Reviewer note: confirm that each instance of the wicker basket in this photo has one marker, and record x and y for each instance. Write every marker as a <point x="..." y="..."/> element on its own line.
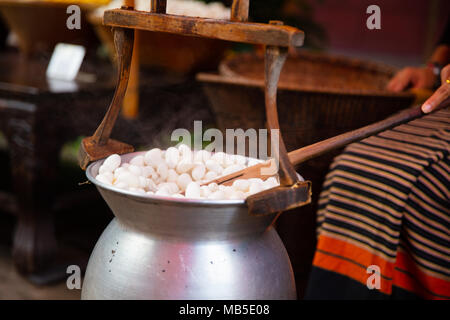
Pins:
<point x="319" y="95"/>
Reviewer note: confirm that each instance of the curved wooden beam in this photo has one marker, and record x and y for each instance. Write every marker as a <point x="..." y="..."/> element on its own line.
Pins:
<point x="246" y="32"/>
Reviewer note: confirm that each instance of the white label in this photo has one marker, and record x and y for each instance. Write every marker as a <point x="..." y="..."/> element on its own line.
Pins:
<point x="61" y="86"/>
<point x="65" y="62"/>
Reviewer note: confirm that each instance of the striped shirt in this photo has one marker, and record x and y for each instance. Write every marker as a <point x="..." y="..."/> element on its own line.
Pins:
<point x="386" y="203"/>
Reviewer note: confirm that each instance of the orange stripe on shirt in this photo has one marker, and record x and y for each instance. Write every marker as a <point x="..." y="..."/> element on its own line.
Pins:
<point x="415" y="280"/>
<point x="334" y="255"/>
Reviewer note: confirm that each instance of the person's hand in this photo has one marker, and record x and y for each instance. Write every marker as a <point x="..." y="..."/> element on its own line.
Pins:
<point x="442" y="93"/>
<point x="418" y="78"/>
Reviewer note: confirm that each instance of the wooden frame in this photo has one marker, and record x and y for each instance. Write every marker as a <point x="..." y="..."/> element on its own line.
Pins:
<point x="276" y="37"/>
<point x="246" y="32"/>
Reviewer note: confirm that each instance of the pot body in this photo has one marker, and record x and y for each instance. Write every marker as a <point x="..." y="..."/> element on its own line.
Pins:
<point x="129" y="265"/>
<point x="157" y="248"/>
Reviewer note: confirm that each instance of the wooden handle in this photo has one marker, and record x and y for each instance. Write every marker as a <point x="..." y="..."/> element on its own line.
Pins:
<point x="306" y="153"/>
<point x="239" y="10"/>
<point x="279" y="199"/>
<point x="291" y="193"/>
<point x="123" y="40"/>
<point x="274" y="60"/>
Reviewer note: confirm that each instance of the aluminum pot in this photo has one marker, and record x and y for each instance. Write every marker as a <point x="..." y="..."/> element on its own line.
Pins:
<point x="165" y="248"/>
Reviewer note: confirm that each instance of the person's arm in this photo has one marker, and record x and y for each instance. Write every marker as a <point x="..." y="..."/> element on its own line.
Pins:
<point x="422" y="77"/>
<point x="425" y="77"/>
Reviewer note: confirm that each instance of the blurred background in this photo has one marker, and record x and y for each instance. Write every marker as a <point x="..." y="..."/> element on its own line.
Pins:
<point x="50" y="218"/>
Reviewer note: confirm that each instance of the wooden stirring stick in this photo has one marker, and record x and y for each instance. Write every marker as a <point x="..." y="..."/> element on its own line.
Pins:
<point x="312" y="151"/>
<point x="100" y="146"/>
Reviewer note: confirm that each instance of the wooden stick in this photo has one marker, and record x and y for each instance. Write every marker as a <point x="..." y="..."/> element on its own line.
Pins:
<point x="254" y="33"/>
<point x="123" y="39"/>
<point x="274" y="61"/>
<point x="317" y="149"/>
<point x="99" y="145"/>
<point x="291" y="193"/>
<point x="239" y="10"/>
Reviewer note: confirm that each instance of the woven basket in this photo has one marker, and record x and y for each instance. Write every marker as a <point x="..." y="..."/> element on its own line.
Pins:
<point x="319" y="95"/>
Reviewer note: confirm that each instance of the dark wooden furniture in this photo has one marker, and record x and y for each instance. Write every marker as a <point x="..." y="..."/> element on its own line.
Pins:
<point x="37" y="117"/>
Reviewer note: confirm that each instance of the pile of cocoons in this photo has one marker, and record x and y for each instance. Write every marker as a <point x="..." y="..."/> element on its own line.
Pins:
<point x="190" y="8"/>
<point x="182" y="173"/>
